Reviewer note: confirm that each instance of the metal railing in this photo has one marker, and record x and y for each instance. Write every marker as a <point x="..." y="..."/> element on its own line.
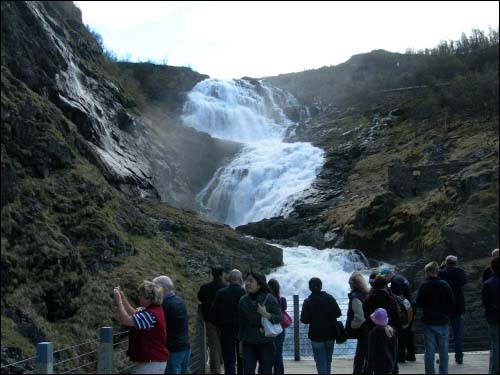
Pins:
<point x="297" y="344"/>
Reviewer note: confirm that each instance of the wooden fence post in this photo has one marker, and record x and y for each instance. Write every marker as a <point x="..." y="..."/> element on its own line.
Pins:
<point x="44" y="358"/>
<point x="105" y="353"/>
<point x="296" y="327"/>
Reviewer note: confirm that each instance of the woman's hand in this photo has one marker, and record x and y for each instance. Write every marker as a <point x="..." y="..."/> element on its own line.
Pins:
<point x="117" y="294"/>
<point x="262" y="311"/>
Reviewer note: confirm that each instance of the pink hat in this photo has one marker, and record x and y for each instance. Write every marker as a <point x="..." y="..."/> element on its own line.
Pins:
<point x="379" y="317"/>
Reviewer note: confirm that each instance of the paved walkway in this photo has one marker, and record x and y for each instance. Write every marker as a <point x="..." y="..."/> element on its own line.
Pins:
<point x="474" y="363"/>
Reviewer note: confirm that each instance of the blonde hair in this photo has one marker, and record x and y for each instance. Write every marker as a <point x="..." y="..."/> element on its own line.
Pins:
<point x="151" y="292"/>
<point x="432" y="268"/>
<point x="358" y="282"/>
<point x="389" y="331"/>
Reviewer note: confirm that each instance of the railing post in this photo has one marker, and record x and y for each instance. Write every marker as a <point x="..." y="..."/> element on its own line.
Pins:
<point x="105" y="354"/>
<point x="296" y="327"/>
<point x="203" y="341"/>
<point x="44" y="358"/>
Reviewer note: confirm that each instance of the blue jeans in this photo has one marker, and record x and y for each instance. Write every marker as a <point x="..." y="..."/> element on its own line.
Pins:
<point x="436" y="336"/>
<point x="323" y="352"/>
<point x="457" y="326"/>
<point x="178" y="362"/>
<point x="278" y="367"/>
<point x="494" y="348"/>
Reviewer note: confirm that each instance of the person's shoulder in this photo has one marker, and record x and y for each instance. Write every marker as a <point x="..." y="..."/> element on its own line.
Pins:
<point x="493" y="280"/>
<point x="205" y="285"/>
<point x="222" y="290"/>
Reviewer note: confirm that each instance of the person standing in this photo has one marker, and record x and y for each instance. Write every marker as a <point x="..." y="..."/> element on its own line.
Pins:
<point x="147" y="341"/>
<point x="489" y="296"/>
<point x="436" y="299"/>
<point x="380" y="297"/>
<point x="258" y="303"/>
<point x="406" y="340"/>
<point x="456" y="279"/>
<point x="278" y="367"/>
<point x="320" y="310"/>
<point x="177" y="325"/>
<point x="206" y="296"/>
<point x="355" y="325"/>
<point x="224" y="314"/>
<point x="487" y="271"/>
<point x="405" y="311"/>
<point x="382" y="344"/>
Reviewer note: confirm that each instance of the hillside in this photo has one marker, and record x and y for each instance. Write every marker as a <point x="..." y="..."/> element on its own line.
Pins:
<point x="411" y="175"/>
<point x="86" y="155"/>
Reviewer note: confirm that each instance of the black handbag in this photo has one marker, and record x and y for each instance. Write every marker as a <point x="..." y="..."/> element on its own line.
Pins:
<point x="341" y="333"/>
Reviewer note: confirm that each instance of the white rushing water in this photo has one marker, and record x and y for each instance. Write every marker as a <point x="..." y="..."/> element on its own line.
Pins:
<point x="268" y="175"/>
<point x="332" y="266"/>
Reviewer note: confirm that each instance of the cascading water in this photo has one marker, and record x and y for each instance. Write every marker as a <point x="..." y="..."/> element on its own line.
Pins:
<point x="266" y="177"/>
<point x="268" y="174"/>
<point x="332" y="266"/>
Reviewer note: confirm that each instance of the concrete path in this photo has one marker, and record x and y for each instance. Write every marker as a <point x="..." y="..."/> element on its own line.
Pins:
<point x="474" y="363"/>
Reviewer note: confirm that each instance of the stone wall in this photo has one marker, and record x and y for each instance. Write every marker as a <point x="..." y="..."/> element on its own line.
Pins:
<point x="409" y="181"/>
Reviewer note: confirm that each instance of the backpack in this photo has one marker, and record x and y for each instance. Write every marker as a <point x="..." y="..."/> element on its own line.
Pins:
<point x="405" y="311"/>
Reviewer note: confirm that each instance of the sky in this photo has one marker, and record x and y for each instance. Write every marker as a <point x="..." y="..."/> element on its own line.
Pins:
<point x="258" y="39"/>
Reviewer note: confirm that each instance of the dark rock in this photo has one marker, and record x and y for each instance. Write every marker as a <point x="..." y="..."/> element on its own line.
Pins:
<point x="125" y="122"/>
<point x="9" y="184"/>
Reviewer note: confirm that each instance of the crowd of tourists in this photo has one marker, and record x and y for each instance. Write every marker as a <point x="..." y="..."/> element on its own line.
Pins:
<point x="246" y="321"/>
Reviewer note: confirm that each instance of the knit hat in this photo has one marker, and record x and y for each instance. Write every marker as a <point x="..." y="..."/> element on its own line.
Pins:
<point x="379" y="317"/>
<point x="386" y="270"/>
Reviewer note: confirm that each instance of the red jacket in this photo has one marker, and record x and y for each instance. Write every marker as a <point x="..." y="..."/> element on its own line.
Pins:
<point x="149" y="345"/>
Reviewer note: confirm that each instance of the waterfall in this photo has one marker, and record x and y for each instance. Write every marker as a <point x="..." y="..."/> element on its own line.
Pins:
<point x="266" y="178"/>
<point x="269" y="174"/>
<point x="332" y="266"/>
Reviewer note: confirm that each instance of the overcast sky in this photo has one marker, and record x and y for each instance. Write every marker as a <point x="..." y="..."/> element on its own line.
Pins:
<point x="231" y="40"/>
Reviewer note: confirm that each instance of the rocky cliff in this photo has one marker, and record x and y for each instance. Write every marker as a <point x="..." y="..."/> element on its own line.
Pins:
<point x="89" y="150"/>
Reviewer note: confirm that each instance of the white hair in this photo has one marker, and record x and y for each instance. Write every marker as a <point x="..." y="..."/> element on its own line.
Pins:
<point x="235" y="277"/>
<point x="165" y="282"/>
<point x="494" y="253"/>
<point x="451" y="260"/>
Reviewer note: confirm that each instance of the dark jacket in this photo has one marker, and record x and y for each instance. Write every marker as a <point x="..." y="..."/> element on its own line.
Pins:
<point x="224" y="311"/>
<point x="206" y="296"/>
<point x="320" y="311"/>
<point x="401" y="283"/>
<point x="487" y="273"/>
<point x="456" y="279"/>
<point x="382" y="351"/>
<point x="283" y="303"/>
<point x="436" y="298"/>
<point x="176" y="319"/>
<point x="249" y="320"/>
<point x="381" y="298"/>
<point x="489" y="296"/>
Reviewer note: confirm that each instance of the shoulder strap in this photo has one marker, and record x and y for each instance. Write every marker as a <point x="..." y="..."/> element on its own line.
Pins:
<point x="265" y="300"/>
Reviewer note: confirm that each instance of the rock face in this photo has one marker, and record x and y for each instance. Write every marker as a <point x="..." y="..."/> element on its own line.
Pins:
<point x="86" y="154"/>
<point x="65" y="65"/>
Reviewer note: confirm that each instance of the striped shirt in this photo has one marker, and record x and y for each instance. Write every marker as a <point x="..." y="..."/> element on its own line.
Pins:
<point x="144" y="320"/>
